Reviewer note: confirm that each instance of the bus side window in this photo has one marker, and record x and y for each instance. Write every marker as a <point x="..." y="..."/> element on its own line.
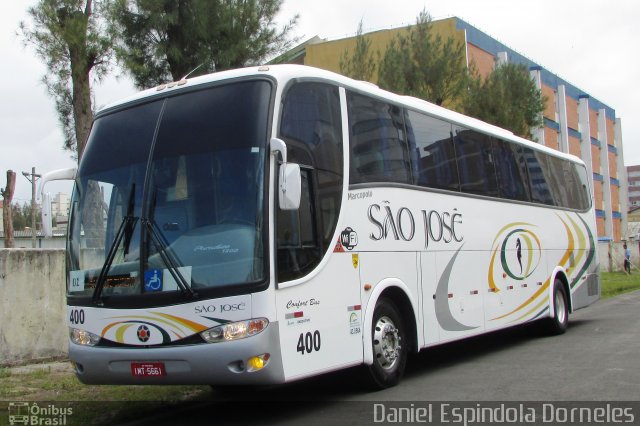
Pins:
<point x="379" y="145"/>
<point x="435" y="163"/>
<point x="538" y="170"/>
<point x="475" y="162"/>
<point x="311" y="126"/>
<point x="511" y="170"/>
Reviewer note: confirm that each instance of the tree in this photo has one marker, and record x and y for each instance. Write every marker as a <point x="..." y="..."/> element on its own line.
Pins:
<point x="160" y="41"/>
<point x="360" y="65"/>
<point x="508" y="98"/>
<point x="19" y="219"/>
<point x="68" y="36"/>
<point x="422" y="64"/>
<point x="7" y="197"/>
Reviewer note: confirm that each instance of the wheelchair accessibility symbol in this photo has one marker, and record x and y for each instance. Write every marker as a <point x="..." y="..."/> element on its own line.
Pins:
<point x="153" y="280"/>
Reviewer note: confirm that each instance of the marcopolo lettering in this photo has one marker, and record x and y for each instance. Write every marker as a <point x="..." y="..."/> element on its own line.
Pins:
<point x="439" y="226"/>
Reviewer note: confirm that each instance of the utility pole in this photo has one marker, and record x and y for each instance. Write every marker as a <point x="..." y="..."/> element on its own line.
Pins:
<point x="33" y="177"/>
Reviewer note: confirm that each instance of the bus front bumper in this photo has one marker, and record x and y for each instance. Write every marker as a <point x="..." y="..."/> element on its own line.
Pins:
<point x="224" y="363"/>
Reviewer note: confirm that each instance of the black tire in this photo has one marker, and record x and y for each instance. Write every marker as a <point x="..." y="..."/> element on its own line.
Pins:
<point x="389" y="344"/>
<point x="560" y="305"/>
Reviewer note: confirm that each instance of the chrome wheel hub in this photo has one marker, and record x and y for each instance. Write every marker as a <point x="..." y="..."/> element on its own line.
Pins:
<point x="386" y="343"/>
<point x="561" y="312"/>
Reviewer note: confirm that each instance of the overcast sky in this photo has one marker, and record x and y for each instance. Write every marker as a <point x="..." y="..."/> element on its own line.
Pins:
<point x="592" y="44"/>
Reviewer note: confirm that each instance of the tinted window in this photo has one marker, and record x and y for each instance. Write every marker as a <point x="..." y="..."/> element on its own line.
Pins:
<point x="475" y="162"/>
<point x="567" y="186"/>
<point x="379" y="151"/>
<point x="538" y="172"/>
<point x="182" y="179"/>
<point x="435" y="161"/>
<point x="311" y="126"/>
<point x="511" y="170"/>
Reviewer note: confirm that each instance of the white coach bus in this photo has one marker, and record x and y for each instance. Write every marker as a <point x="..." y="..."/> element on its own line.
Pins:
<point x="268" y="224"/>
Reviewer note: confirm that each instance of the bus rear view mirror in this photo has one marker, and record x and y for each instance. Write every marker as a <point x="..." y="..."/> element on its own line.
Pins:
<point x="289" y="184"/>
<point x="62" y="174"/>
<point x="47" y="226"/>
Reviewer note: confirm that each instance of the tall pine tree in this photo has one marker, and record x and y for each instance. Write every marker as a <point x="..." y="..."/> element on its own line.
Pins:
<point x="421" y="63"/>
<point x="160" y="41"/>
<point x="360" y="65"/>
<point x="70" y="38"/>
<point x="508" y="98"/>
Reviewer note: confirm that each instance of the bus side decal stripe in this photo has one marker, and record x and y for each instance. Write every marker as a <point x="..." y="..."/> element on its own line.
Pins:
<point x="562" y="262"/>
<point x="120" y="332"/>
<point x="529" y="300"/>
<point x="443" y="313"/>
<point x="535" y="308"/>
<point x="590" y="256"/>
<point x="187" y="323"/>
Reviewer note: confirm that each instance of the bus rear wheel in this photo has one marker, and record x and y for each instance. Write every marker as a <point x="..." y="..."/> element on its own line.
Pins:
<point x="560" y="305"/>
<point x="389" y="344"/>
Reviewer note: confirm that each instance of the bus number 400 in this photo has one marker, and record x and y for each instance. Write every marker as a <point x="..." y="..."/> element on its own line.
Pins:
<point x="308" y="342"/>
<point x="77" y="316"/>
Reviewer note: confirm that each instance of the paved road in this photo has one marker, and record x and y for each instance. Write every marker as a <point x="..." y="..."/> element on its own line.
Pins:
<point x="598" y="359"/>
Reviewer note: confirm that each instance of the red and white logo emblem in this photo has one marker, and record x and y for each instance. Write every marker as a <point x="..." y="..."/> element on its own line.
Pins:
<point x="143" y="333"/>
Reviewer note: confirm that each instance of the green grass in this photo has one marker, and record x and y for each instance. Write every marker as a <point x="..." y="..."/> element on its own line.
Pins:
<point x="615" y="283"/>
<point x="91" y="404"/>
<point x="4" y="372"/>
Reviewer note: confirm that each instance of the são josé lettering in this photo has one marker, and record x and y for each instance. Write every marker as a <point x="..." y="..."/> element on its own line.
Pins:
<point x="438" y="225"/>
<point x="224" y="307"/>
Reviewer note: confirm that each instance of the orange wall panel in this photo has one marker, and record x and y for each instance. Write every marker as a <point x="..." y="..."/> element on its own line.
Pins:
<point x="483" y="60"/>
<point x="550" y="106"/>
<point x="574" y="146"/>
<point x="617" y="234"/>
<point x="610" y="132"/>
<point x="597" y="194"/>
<point x="615" y="198"/>
<point x="593" y="123"/>
<point x="613" y="165"/>
<point x="572" y="113"/>
<point x="595" y="159"/>
<point x="600" y="226"/>
<point x="551" y="138"/>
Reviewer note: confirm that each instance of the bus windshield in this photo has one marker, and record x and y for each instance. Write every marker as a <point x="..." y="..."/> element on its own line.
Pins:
<point x="170" y="194"/>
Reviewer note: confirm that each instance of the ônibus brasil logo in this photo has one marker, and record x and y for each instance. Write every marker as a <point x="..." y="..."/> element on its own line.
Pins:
<point x="30" y="413"/>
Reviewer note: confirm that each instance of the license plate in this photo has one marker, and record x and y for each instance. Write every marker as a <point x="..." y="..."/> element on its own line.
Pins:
<point x="148" y="369"/>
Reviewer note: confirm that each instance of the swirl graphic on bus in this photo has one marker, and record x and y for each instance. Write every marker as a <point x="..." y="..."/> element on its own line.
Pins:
<point x="519" y="250"/>
<point x="517" y="261"/>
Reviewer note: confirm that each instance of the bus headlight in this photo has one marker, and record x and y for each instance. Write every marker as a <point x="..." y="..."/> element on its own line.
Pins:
<point x="83" y="337"/>
<point x="235" y="330"/>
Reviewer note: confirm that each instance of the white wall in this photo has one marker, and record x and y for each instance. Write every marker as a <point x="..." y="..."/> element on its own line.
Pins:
<point x="612" y="256"/>
<point x="32" y="305"/>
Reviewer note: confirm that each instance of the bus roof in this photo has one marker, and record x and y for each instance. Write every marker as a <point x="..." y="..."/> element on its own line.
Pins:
<point x="286" y="72"/>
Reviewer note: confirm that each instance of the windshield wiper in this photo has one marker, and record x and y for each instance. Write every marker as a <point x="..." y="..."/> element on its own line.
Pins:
<point x="163" y="249"/>
<point x="168" y="258"/>
<point x="125" y="230"/>
<point x="128" y="223"/>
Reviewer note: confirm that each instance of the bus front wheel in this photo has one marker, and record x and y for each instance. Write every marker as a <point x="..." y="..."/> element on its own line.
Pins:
<point x="560" y="305"/>
<point x="389" y="344"/>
